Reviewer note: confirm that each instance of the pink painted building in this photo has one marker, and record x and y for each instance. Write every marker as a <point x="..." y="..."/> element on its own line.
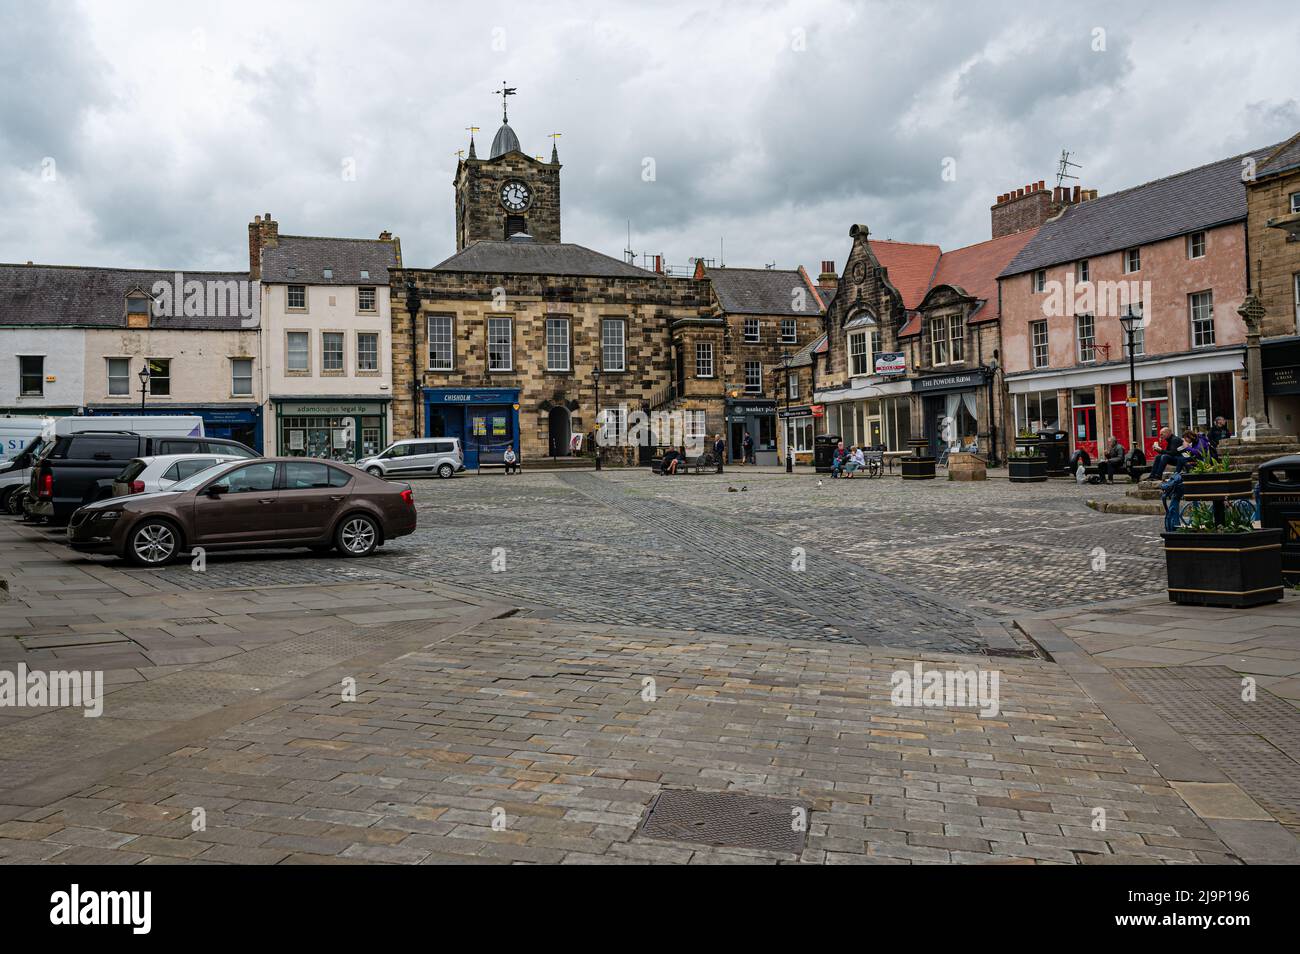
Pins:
<point x="1172" y="251"/>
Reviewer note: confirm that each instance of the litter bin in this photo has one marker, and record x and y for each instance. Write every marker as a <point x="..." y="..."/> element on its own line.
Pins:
<point x="1055" y="446"/>
<point x="824" y="452"/>
<point x="1279" y="508"/>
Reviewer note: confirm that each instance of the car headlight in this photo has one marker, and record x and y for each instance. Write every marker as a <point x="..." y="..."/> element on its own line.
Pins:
<point x="108" y="515"/>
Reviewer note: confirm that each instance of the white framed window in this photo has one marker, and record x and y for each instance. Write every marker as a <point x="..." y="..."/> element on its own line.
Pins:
<point x="799" y="434"/>
<point x="297" y="351"/>
<point x="792" y="386"/>
<point x="557" y="344"/>
<point x="938" y="341"/>
<point x="1038" y="341"/>
<point x="119" y="376"/>
<point x="753" y="377"/>
<point x="859" y="353"/>
<point x="694" y="425"/>
<point x="1082" y="273"/>
<point x="1139" y="333"/>
<point x="1201" y="306"/>
<point x="1132" y="260"/>
<point x="789" y="331"/>
<point x="367" y="351"/>
<point x="613" y="344"/>
<point x="442" y="352"/>
<point x="1196" y="245"/>
<point x="241" y="377"/>
<point x="296" y="298"/>
<point x="31" y="375"/>
<point x="500" y="344"/>
<point x="331" y="351"/>
<point x="1295" y="201"/>
<point x="956" y="339"/>
<point x="1085" y="335"/>
<point x="1040" y="280"/>
<point x="875" y="341"/>
<point x="704" y="359"/>
<point x="366" y="298"/>
<point x="752" y="331"/>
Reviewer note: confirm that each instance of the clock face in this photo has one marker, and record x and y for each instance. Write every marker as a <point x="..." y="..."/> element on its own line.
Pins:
<point x="515" y="196"/>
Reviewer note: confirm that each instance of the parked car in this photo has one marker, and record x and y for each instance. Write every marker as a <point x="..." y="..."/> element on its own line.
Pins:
<point x="79" y="468"/>
<point x="146" y="474"/>
<point x="421" y="457"/>
<point x="16" y="477"/>
<point x="277" y="502"/>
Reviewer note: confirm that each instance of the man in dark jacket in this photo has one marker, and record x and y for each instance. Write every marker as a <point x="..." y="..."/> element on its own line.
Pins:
<point x="1218" y="432"/>
<point x="1172" y="454"/>
<point x="749" y="448"/>
<point x="719" y="451"/>
<point x="1112" y="462"/>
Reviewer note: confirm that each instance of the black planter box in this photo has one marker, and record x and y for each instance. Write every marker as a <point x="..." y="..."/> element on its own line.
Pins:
<point x="1023" y="470"/>
<point x="1232" y="484"/>
<point x="1224" y="569"/>
<point x="917" y="468"/>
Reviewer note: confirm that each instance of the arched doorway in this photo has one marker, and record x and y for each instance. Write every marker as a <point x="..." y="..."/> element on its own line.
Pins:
<point x="558" y="422"/>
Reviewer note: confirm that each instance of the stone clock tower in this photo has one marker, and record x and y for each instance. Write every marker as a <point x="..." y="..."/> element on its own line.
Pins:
<point x="508" y="192"/>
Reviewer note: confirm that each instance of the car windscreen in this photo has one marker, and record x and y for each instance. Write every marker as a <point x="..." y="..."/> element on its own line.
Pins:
<point x="196" y="480"/>
<point x="131" y="471"/>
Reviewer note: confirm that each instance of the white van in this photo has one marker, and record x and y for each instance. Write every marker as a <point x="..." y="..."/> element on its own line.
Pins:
<point x="149" y="425"/>
<point x="17" y="432"/>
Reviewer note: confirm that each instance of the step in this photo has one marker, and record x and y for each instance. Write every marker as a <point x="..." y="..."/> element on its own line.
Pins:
<point x="1152" y="507"/>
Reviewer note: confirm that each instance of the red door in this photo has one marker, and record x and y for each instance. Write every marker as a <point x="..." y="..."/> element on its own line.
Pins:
<point x="1119" y="413"/>
<point x="1085" y="430"/>
<point x="1155" y="414"/>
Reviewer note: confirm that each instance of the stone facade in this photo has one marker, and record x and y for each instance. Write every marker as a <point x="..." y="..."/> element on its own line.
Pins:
<point x="1273" y="226"/>
<point x="479" y="210"/>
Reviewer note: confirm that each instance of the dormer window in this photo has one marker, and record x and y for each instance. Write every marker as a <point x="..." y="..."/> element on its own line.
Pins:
<point x="137" y="310"/>
<point x="365" y="273"/>
<point x="328" y="273"/>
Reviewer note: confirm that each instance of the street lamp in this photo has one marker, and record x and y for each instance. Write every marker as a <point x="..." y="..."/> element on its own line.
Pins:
<point x="789" y="452"/>
<point x="1130" y="323"/>
<point x="144" y="383"/>
<point x="990" y="376"/>
<point x="596" y="377"/>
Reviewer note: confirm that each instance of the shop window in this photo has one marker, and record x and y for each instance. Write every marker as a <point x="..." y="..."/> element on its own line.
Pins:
<point x="119" y="376"/>
<point x="500" y="344"/>
<point x="557" y="344"/>
<point x="753" y="377"/>
<point x="1200" y="398"/>
<point x="31" y="374"/>
<point x="1038" y="338"/>
<point x="367" y="351"/>
<point x="441" y="349"/>
<point x="1201" y="305"/>
<point x="241" y="377"/>
<point x="704" y="359"/>
<point x="799" y="434"/>
<point x="1036" y="411"/>
<point x="613" y="350"/>
<point x="160" y="377"/>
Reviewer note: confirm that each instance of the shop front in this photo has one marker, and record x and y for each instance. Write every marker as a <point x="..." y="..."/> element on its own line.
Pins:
<point x="757" y="418"/>
<point x="950" y="411"/>
<point x="1281" y="362"/>
<point x="799" y="426"/>
<point x="870" y="414"/>
<point x="485" y="420"/>
<point x="342" y="429"/>
<point x="236" y="422"/>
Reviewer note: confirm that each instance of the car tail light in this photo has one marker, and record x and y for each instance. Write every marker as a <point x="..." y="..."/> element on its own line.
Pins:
<point x="46" y="486"/>
<point x="137" y="486"/>
<point x="408" y="497"/>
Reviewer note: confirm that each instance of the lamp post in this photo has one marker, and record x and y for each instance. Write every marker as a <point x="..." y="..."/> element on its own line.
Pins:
<point x="789" y="451"/>
<point x="1130" y="323"/>
<point x="990" y="376"/>
<point x="596" y="377"/>
<point x="144" y="383"/>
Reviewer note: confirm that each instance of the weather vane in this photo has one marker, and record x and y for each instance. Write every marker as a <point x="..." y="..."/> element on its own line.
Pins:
<point x="505" y="91"/>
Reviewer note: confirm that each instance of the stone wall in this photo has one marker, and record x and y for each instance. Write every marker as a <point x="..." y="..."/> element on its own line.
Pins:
<point x="479" y="213"/>
<point x="1274" y="261"/>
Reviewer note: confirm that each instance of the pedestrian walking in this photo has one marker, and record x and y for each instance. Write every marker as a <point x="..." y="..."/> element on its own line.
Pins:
<point x="748" y="445"/>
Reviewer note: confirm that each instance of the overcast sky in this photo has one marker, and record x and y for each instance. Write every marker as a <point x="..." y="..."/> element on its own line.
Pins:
<point x="148" y="134"/>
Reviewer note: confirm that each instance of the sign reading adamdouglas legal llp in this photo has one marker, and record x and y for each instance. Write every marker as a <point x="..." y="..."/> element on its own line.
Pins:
<point x="891" y="362"/>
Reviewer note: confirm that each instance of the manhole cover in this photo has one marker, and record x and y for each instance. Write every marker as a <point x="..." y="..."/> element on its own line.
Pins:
<point x="728" y="820"/>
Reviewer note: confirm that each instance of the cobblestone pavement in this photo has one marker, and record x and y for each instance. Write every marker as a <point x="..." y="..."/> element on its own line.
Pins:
<point x="886" y="562"/>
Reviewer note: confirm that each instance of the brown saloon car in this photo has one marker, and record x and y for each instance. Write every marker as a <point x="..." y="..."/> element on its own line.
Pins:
<point x="269" y="502"/>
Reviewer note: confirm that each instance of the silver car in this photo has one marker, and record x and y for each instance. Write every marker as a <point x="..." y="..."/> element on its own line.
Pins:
<point x="418" y="457"/>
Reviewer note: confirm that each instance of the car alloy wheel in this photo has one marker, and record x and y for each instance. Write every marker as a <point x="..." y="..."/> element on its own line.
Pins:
<point x="375" y="471"/>
<point x="13" y="502"/>
<point x="153" y="544"/>
<point x="445" y="471"/>
<point x="358" y="536"/>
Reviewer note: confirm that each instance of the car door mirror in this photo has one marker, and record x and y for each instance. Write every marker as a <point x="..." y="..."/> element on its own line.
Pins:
<point x="214" y="491"/>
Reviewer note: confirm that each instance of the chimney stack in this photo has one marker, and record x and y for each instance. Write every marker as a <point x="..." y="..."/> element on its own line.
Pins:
<point x="827" y="278"/>
<point x="263" y="232"/>
<point x="1032" y="205"/>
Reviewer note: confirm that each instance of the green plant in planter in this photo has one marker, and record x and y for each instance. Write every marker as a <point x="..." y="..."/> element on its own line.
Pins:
<point x="1024" y="455"/>
<point x="1200" y="519"/>
<point x="1210" y="465"/>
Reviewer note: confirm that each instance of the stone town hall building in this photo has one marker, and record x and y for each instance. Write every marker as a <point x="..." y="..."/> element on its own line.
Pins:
<point x="500" y="344"/>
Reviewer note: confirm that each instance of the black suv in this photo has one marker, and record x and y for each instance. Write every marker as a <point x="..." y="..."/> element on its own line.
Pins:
<point x="79" y="468"/>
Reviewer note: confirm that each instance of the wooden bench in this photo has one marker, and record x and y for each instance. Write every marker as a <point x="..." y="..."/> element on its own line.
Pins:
<point x="699" y="464"/>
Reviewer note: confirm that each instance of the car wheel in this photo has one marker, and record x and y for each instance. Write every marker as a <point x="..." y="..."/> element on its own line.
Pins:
<point x="445" y="471"/>
<point x="375" y="471"/>
<point x="153" y="543"/>
<point x="5" y="497"/>
<point x="357" y="536"/>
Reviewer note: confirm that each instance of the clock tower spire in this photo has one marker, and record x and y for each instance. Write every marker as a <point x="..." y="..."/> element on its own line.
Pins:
<point x="508" y="193"/>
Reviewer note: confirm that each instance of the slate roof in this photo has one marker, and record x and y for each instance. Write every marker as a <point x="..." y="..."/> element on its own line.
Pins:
<point x="911" y="266"/>
<point x="538" y="258"/>
<point x="803" y="357"/>
<point x="975" y="268"/>
<point x="1287" y="156"/>
<point x="85" y="297"/>
<point x="1199" y="198"/>
<point x="762" y="291"/>
<point x="309" y="256"/>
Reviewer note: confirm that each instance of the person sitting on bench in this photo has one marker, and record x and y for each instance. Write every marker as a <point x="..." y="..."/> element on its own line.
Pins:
<point x="671" y="461"/>
<point x="1172" y="454"/>
<point x="1113" y="461"/>
<point x="511" y="461"/>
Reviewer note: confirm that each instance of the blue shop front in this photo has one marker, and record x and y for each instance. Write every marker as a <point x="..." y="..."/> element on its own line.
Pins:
<point x="486" y="420"/>
<point x="236" y="422"/>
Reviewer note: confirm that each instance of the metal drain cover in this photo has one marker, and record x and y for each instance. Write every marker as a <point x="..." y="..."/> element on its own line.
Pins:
<point x="727" y="820"/>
